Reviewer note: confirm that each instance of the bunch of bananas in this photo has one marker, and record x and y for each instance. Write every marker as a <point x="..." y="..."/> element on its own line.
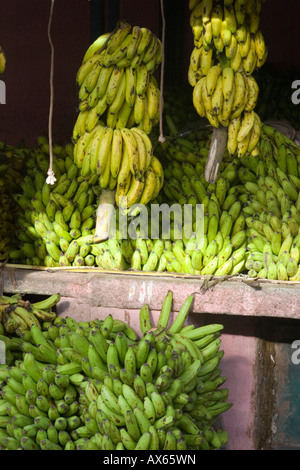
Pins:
<point x="51" y="218"/>
<point x="11" y="179"/>
<point x="18" y="315"/>
<point x="119" y="104"/>
<point x="99" y="386"/>
<point x="228" y="47"/>
<point x="2" y="60"/>
<point x="122" y="159"/>
<point x="273" y="210"/>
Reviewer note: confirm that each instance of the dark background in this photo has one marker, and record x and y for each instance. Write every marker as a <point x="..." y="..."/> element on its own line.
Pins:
<point x="76" y="23"/>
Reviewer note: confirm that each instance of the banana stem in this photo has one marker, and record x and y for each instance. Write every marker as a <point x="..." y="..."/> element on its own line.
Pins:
<point x="217" y="148"/>
<point x="104" y="215"/>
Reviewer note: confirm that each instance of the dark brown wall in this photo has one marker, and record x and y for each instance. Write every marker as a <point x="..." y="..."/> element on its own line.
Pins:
<point x="23" y="36"/>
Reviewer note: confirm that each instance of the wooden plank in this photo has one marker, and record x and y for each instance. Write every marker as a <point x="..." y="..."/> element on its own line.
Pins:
<point x="98" y="288"/>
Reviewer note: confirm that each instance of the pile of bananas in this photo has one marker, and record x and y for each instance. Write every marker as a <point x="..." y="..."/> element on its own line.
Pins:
<point x="11" y="178"/>
<point x="51" y="218"/>
<point x="99" y="386"/>
<point x="119" y="104"/>
<point x="273" y="210"/>
<point x="17" y="315"/>
<point x="228" y="47"/>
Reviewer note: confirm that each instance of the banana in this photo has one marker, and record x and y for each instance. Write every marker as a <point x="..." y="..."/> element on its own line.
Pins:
<point x="253" y="92"/>
<point x="153" y="99"/>
<point x="132" y="151"/>
<point x="118" y="36"/>
<point x="212" y="78"/>
<point x="134" y="43"/>
<point x="113" y="86"/>
<point x="130" y="86"/>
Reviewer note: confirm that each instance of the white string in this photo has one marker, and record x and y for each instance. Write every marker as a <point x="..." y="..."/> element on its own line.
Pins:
<point x="51" y="177"/>
<point x="161" y="134"/>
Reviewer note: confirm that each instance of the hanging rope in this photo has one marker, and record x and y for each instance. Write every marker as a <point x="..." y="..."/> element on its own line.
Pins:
<point x="51" y="177"/>
<point x="162" y="70"/>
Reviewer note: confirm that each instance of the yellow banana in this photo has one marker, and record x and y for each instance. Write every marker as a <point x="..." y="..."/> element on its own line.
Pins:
<point x="217" y="97"/>
<point x="212" y="77"/>
<point x="197" y="96"/>
<point x="95" y="47"/>
<point x="114" y="84"/>
<point x="230" y="18"/>
<point x="142" y="79"/>
<point x="124" y="172"/>
<point x="255" y="133"/>
<point x="139" y="108"/>
<point x="103" y="80"/>
<point x="116" y="153"/>
<point x="216" y="20"/>
<point x="253" y="92"/>
<point x="133" y="45"/>
<point x="147" y="143"/>
<point x="118" y="37"/>
<point x="228" y="81"/>
<point x="233" y="129"/>
<point x="149" y="186"/>
<point x="240" y="91"/>
<point x="130" y="90"/>
<point x="134" y="193"/>
<point x="247" y="123"/>
<point x="249" y="62"/>
<point x="132" y="149"/>
<point x="206" y="60"/>
<point x="153" y="100"/>
<point x="104" y="149"/>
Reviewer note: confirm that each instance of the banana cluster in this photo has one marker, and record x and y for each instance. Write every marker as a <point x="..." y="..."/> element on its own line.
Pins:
<point x="122" y="159"/>
<point x="52" y="217"/>
<point x="17" y="315"/>
<point x="228" y="48"/>
<point x="119" y="104"/>
<point x="97" y="385"/>
<point x="12" y="167"/>
<point x="2" y="60"/>
<point x="228" y="98"/>
<point x="230" y="30"/>
<point x="116" y="82"/>
<point x="273" y="210"/>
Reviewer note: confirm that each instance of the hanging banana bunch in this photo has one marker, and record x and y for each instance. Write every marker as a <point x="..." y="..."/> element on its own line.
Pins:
<point x="119" y="104"/>
<point x="228" y="47"/>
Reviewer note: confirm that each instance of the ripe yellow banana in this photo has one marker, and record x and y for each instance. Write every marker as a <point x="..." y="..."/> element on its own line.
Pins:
<point x="212" y="77"/>
<point x="114" y="83"/>
<point x="116" y="153"/>
<point x="130" y="91"/>
<point x="228" y="81"/>
<point x="197" y="96"/>
<point x="104" y="149"/>
<point x="132" y="149"/>
<point x="153" y="100"/>
<point x="149" y="186"/>
<point x="233" y="129"/>
<point x="247" y="123"/>
<point x="253" y="92"/>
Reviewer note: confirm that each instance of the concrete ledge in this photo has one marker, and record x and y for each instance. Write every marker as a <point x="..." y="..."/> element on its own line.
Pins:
<point x="129" y="290"/>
